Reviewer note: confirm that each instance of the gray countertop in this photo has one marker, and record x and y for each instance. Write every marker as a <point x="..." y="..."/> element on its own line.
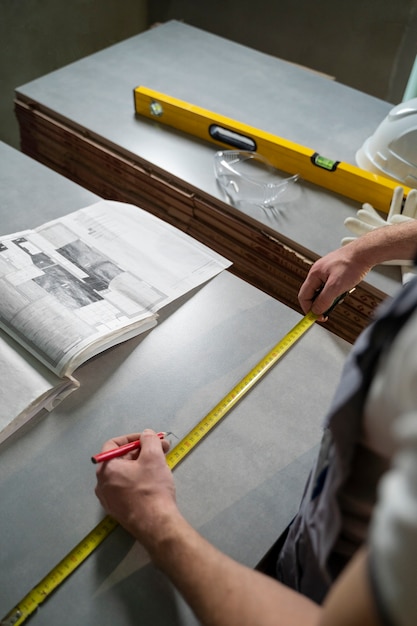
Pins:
<point x="96" y="95"/>
<point x="239" y="487"/>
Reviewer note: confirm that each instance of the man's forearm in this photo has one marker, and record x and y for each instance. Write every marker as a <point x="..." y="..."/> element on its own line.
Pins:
<point x="397" y="241"/>
<point x="139" y="493"/>
<point x="221" y="591"/>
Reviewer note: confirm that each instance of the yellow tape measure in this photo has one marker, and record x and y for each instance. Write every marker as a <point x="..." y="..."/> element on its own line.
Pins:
<point x="228" y="402"/>
<point x="56" y="577"/>
<point x="19" y="614"/>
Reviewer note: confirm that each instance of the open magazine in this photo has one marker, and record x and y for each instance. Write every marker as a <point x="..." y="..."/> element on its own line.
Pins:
<point x="78" y="285"/>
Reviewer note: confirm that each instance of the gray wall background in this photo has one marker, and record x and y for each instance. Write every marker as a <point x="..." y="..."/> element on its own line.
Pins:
<point x="370" y="45"/>
<point x="367" y="44"/>
<point x="39" y="36"/>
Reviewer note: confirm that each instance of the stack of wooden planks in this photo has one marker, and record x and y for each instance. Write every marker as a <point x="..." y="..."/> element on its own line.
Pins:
<point x="260" y="255"/>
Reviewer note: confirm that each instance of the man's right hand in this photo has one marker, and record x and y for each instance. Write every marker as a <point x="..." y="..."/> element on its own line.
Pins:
<point x="138" y="489"/>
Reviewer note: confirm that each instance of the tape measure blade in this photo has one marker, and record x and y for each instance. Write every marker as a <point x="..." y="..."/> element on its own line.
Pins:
<point x="180" y="451"/>
<point x="42" y="591"/>
<point x="82" y="550"/>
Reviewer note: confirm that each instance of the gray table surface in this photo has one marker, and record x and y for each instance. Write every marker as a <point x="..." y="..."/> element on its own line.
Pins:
<point x="96" y="94"/>
<point x="239" y="487"/>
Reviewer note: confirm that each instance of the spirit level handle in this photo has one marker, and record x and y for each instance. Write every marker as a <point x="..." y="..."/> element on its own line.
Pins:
<point x="225" y="135"/>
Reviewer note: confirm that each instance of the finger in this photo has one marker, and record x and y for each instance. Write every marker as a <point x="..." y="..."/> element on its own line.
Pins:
<point x="152" y="455"/>
<point x="151" y="442"/>
<point x="367" y="207"/>
<point x="308" y="291"/>
<point x="369" y="210"/>
<point x="357" y="227"/>
<point x="410" y="206"/>
<point x="116" y="442"/>
<point x="347" y="240"/>
<point x="323" y="302"/>
<point x="166" y="444"/>
<point x="372" y="218"/>
<point x="400" y="219"/>
<point x="396" y="202"/>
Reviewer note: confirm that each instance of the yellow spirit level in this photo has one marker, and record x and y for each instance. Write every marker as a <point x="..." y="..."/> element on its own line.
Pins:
<point x="342" y="178"/>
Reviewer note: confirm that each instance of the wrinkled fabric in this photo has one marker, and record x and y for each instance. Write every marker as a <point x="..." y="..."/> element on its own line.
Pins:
<point x="306" y="562"/>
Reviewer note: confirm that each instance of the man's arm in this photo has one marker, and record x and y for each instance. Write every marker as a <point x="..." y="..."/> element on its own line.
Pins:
<point x="139" y="492"/>
<point x="350" y="601"/>
<point x="344" y="268"/>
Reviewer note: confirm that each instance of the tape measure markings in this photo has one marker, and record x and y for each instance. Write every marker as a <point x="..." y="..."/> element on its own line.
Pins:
<point x="82" y="550"/>
<point x="28" y="605"/>
<point x="243" y="386"/>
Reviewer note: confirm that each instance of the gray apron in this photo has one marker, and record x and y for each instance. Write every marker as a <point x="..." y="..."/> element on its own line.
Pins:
<point x="305" y="561"/>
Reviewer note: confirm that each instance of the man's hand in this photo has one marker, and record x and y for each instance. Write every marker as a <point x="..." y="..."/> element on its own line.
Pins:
<point x="329" y="277"/>
<point x="341" y="270"/>
<point x="138" y="489"/>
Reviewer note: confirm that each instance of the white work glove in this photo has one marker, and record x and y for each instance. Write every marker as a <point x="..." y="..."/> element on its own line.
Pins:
<point x="368" y="219"/>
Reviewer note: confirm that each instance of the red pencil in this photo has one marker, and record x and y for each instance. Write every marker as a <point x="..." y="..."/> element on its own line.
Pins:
<point x="120" y="451"/>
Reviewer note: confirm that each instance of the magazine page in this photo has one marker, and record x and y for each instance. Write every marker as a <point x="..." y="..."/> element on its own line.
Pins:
<point x="84" y="282"/>
<point x="56" y="309"/>
<point x="27" y="387"/>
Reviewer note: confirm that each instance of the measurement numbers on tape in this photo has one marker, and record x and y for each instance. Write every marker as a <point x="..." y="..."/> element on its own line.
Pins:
<point x="243" y="386"/>
<point x="58" y="575"/>
<point x="19" y="614"/>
